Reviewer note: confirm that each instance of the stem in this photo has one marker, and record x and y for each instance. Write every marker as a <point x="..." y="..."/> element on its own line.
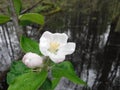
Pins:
<point x="46" y="63"/>
<point x="15" y="19"/>
<point x="32" y="7"/>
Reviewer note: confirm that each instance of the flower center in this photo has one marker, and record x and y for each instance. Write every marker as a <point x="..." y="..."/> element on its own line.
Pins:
<point x="54" y="47"/>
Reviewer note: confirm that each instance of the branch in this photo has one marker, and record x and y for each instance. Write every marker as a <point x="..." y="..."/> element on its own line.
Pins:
<point x="30" y="8"/>
<point x="15" y="19"/>
<point x="53" y="12"/>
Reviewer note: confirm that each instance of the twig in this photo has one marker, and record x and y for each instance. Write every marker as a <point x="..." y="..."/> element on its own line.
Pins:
<point x="30" y="8"/>
<point x="15" y="19"/>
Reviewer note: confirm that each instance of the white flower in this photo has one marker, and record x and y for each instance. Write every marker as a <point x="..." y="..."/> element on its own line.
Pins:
<point x="32" y="60"/>
<point x="55" y="46"/>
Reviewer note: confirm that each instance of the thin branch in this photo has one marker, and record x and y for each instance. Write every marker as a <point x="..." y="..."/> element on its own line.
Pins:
<point x="30" y="8"/>
<point x="53" y="12"/>
<point x="15" y="19"/>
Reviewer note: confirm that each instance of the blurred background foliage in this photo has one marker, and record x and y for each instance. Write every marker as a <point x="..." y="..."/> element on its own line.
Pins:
<point x="56" y="11"/>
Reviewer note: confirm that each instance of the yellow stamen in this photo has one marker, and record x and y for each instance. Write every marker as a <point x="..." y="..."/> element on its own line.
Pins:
<point x="54" y="47"/>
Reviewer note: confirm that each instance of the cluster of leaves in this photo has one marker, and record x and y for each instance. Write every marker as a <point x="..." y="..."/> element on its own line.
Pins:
<point x="24" y="19"/>
<point x="44" y="8"/>
<point x="22" y="78"/>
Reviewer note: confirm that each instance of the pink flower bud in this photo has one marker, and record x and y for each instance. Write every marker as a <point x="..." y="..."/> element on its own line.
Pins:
<point x="32" y="60"/>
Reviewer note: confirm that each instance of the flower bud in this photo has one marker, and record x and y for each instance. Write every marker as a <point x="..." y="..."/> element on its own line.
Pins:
<point x="32" y="60"/>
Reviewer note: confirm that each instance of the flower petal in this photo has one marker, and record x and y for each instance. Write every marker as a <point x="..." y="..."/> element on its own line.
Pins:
<point x="44" y="42"/>
<point x="44" y="48"/>
<point x="57" y="58"/>
<point x="60" y="38"/>
<point x="46" y="35"/>
<point x="69" y="48"/>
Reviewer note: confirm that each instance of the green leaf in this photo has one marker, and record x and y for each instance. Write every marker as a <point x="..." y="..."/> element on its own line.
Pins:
<point x="55" y="82"/>
<point x="65" y="69"/>
<point x="17" y="6"/>
<point x="29" y="45"/>
<point x="47" y="85"/>
<point x="33" y="17"/>
<point x="17" y="68"/>
<point x="4" y="19"/>
<point x="29" y="81"/>
<point x="25" y="22"/>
